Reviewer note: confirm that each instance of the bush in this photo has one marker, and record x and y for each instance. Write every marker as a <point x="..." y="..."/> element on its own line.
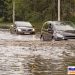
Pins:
<point x="5" y="26"/>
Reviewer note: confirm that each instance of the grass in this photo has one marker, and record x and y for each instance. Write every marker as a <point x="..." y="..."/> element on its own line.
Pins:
<point x="5" y="25"/>
<point x="37" y="26"/>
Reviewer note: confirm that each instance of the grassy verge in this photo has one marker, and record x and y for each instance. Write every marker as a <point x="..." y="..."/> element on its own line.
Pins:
<point x="37" y="26"/>
<point x="5" y="25"/>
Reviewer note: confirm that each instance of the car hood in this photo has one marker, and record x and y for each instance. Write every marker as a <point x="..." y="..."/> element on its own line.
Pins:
<point x="24" y="28"/>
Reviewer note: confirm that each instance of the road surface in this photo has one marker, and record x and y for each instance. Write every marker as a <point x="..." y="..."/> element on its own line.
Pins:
<point x="27" y="55"/>
<point x="6" y="35"/>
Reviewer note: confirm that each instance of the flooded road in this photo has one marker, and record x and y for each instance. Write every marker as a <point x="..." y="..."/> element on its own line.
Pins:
<point x="5" y="35"/>
<point x="34" y="57"/>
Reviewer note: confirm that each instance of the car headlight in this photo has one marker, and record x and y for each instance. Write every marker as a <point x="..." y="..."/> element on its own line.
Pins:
<point x="19" y="30"/>
<point x="33" y="29"/>
<point x="60" y="35"/>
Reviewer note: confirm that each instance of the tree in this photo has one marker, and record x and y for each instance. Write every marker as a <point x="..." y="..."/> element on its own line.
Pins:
<point x="37" y="10"/>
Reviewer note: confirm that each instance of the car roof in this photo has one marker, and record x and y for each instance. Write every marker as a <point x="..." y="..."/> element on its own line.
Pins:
<point x="56" y="22"/>
<point x="53" y="22"/>
<point x="23" y="23"/>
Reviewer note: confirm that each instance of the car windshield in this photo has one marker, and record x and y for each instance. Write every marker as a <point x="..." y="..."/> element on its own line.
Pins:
<point x="23" y="24"/>
<point x="64" y="26"/>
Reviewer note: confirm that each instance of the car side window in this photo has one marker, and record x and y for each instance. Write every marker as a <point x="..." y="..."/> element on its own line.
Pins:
<point x="49" y="26"/>
<point x="45" y="26"/>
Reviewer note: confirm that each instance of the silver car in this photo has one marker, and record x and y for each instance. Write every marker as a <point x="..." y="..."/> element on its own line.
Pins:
<point x="57" y="30"/>
<point x="21" y="27"/>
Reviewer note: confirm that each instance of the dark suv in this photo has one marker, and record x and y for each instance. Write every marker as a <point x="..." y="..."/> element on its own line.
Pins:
<point x="57" y="30"/>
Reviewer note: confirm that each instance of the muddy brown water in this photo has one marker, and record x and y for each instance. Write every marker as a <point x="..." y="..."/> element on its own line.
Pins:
<point x="6" y="35"/>
<point x="19" y="60"/>
<point x="34" y="59"/>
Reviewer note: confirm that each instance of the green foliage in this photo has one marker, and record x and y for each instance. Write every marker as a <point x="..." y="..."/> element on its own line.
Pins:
<point x="1" y="19"/>
<point x="5" y="25"/>
<point x="36" y="11"/>
<point x="37" y="26"/>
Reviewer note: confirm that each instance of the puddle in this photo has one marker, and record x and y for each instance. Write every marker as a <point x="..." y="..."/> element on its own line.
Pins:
<point x="19" y="60"/>
<point x="5" y="35"/>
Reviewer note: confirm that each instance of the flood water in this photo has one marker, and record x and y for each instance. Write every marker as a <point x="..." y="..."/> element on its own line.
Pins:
<point x="5" y="35"/>
<point x="19" y="60"/>
<point x="34" y="59"/>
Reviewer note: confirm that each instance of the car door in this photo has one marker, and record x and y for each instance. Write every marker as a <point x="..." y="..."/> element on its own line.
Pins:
<point x="47" y="31"/>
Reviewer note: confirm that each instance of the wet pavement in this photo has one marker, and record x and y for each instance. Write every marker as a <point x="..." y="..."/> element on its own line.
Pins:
<point x="39" y="58"/>
<point x="6" y="35"/>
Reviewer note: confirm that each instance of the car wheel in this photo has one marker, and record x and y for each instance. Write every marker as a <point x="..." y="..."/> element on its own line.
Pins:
<point x="12" y="31"/>
<point x="65" y="39"/>
<point x="46" y="38"/>
<point x="41" y="38"/>
<point x="17" y="32"/>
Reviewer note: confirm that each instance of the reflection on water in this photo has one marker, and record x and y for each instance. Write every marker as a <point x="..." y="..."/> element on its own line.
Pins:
<point x="53" y="66"/>
<point x="7" y="36"/>
<point x="46" y="60"/>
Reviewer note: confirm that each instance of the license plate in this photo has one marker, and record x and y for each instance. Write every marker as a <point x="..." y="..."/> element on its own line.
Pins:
<point x="26" y="33"/>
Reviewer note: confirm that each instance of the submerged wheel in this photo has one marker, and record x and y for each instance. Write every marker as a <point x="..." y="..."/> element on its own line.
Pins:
<point x="46" y="38"/>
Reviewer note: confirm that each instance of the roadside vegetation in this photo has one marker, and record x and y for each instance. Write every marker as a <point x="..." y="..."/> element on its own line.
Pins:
<point x="5" y="25"/>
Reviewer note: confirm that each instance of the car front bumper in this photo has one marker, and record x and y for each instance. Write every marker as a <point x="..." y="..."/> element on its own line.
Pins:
<point x="26" y="32"/>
